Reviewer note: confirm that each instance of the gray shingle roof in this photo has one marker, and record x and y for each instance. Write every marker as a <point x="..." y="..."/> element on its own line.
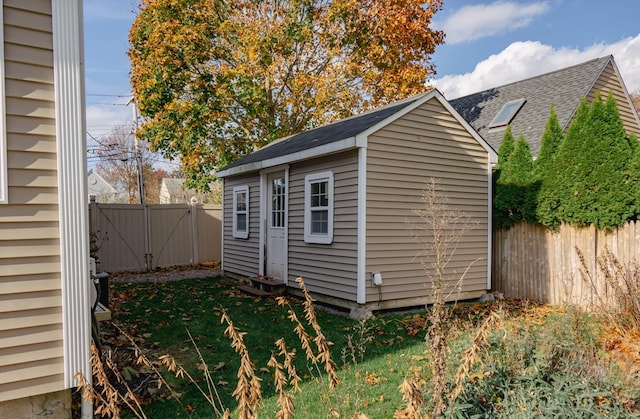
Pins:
<point x="327" y="134"/>
<point x="564" y="88"/>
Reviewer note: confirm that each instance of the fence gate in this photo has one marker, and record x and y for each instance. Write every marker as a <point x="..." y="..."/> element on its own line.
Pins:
<point x="143" y="237"/>
<point x="119" y="232"/>
<point x="171" y="241"/>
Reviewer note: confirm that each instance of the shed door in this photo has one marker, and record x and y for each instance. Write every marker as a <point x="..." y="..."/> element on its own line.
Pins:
<point x="276" y="226"/>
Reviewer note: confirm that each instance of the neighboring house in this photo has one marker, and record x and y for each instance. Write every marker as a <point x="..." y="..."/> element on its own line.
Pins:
<point x="172" y="192"/>
<point x="44" y="255"/>
<point x="334" y="205"/>
<point x="525" y="105"/>
<point x="100" y="189"/>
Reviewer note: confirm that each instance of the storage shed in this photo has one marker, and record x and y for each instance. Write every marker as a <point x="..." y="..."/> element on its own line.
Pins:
<point x="336" y="205"/>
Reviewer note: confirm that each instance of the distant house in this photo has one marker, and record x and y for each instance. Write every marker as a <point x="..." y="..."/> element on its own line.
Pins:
<point x="100" y="189"/>
<point x="44" y="240"/>
<point x="524" y="105"/>
<point x="172" y="192"/>
<point x="334" y="205"/>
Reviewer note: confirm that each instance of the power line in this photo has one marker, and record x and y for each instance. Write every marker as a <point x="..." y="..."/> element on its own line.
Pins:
<point x="105" y="95"/>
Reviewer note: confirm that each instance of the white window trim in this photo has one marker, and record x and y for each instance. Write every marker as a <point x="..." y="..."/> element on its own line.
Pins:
<point x="308" y="180"/>
<point x="236" y="191"/>
<point x="4" y="188"/>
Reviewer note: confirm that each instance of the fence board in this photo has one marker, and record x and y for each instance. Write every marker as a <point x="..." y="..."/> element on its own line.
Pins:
<point x="532" y="262"/>
<point x="209" y="220"/>
<point x="176" y="235"/>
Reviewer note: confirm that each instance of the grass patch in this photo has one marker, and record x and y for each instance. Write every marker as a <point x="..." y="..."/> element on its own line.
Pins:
<point x="542" y="361"/>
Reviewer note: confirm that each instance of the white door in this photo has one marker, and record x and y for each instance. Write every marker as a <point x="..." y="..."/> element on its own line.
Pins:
<point x="276" y="223"/>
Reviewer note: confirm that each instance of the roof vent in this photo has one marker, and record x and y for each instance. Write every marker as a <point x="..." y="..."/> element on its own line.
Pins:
<point x="507" y="113"/>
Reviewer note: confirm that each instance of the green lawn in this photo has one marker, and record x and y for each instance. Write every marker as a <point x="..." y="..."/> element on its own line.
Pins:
<point x="542" y="361"/>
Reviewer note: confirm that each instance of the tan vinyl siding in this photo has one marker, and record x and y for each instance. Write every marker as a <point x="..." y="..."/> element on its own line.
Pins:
<point x="241" y="256"/>
<point x="401" y="157"/>
<point x="328" y="269"/>
<point x="31" y="360"/>
<point x="609" y="82"/>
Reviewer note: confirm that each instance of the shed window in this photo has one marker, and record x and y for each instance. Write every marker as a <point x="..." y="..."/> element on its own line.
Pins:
<point x="506" y="114"/>
<point x="318" y="204"/>
<point x="241" y="212"/>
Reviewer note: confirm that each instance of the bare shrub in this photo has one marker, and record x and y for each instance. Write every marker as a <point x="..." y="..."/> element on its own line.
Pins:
<point x="439" y="230"/>
<point x="622" y="285"/>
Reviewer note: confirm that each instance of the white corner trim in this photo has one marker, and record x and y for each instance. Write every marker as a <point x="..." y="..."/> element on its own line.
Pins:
<point x="222" y="216"/>
<point x="68" y="62"/>
<point x="4" y="186"/>
<point x="286" y="225"/>
<point x="489" y="223"/>
<point x="262" y="234"/>
<point x="361" y="280"/>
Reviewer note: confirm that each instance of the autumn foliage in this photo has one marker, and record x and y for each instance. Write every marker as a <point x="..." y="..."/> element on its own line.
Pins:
<point x="215" y="80"/>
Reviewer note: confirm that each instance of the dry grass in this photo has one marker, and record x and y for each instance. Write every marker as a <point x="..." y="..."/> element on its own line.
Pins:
<point x="103" y="393"/>
<point x="621" y="295"/>
<point x="472" y="354"/>
<point x="248" y="394"/>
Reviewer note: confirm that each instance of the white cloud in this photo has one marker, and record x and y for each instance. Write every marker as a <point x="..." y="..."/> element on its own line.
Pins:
<point x="484" y="20"/>
<point x="521" y="60"/>
<point x="102" y="118"/>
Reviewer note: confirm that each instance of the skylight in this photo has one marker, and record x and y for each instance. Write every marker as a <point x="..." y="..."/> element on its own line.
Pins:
<point x="507" y="113"/>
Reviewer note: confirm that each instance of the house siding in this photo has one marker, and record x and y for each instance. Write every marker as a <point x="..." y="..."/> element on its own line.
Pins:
<point x="609" y="82"/>
<point x="31" y="350"/>
<point x="241" y="256"/>
<point x="328" y="269"/>
<point x="427" y="142"/>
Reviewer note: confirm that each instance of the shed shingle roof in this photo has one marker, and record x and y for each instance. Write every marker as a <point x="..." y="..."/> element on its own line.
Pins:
<point x="327" y="134"/>
<point x="564" y="88"/>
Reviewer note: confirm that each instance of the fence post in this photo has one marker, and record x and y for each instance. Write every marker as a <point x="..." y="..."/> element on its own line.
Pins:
<point x="148" y="256"/>
<point x="193" y="209"/>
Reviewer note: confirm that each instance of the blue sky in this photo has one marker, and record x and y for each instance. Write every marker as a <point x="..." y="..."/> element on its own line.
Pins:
<point x="489" y="43"/>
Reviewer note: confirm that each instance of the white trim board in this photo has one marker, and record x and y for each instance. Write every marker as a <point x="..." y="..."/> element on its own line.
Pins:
<point x="68" y="47"/>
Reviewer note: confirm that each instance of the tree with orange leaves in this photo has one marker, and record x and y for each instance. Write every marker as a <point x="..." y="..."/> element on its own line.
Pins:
<point x="215" y="80"/>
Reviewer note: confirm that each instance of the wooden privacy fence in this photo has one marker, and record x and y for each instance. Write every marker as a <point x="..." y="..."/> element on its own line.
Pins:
<point x="532" y="262"/>
<point x="144" y="237"/>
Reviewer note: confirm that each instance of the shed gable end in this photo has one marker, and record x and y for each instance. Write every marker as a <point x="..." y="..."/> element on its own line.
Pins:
<point x="429" y="142"/>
